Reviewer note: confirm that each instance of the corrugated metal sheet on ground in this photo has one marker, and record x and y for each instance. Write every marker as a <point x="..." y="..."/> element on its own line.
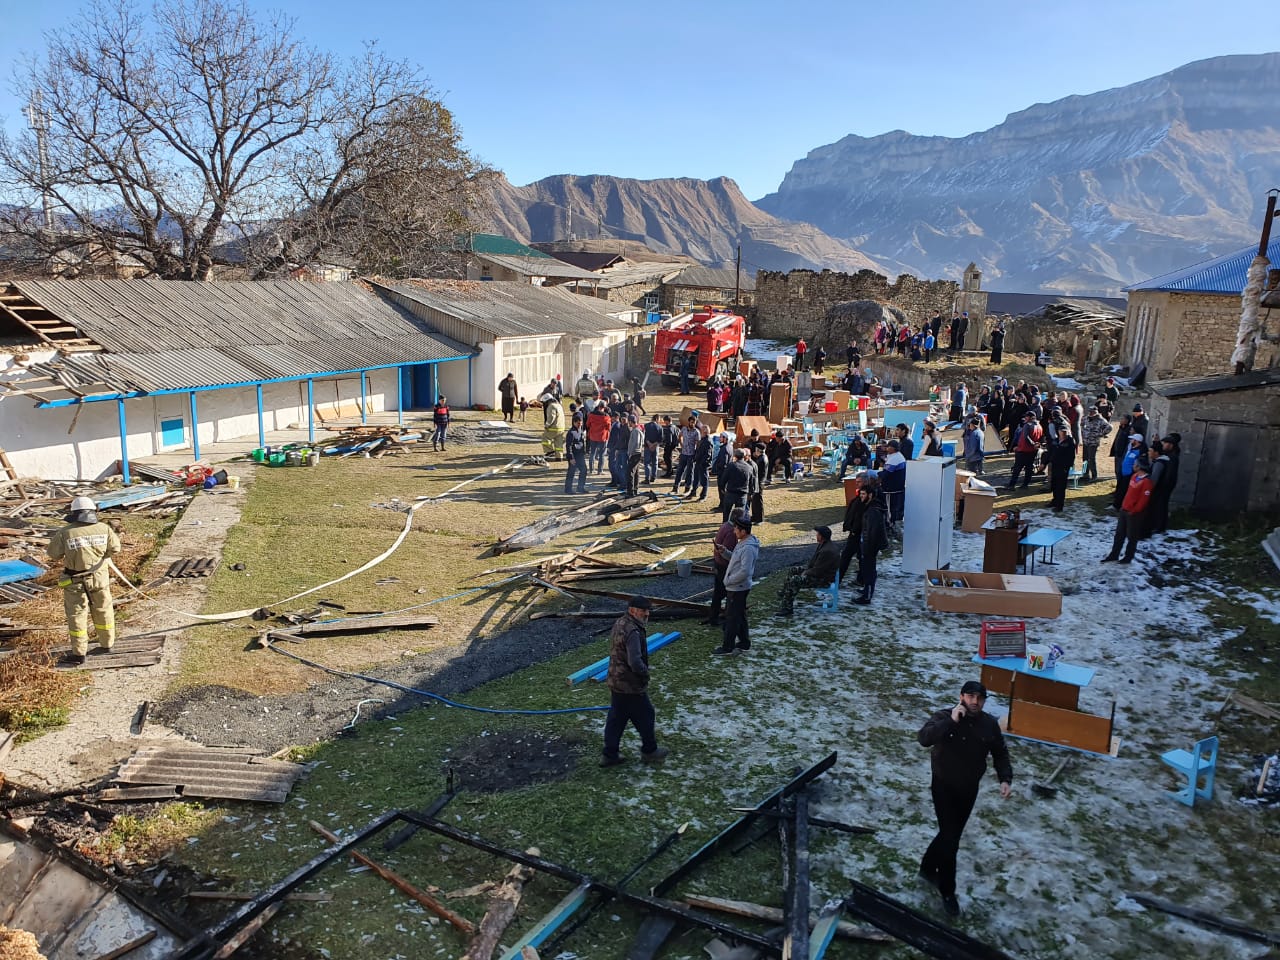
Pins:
<point x="212" y="772"/>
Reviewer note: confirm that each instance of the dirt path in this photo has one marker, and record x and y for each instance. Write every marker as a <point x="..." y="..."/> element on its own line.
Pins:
<point x="97" y="737"/>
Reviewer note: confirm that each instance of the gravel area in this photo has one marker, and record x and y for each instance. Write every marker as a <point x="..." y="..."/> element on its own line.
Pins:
<point x="218" y="715"/>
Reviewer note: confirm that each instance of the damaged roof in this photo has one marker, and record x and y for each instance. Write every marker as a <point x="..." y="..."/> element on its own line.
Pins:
<point x="510" y="308"/>
<point x="181" y="335"/>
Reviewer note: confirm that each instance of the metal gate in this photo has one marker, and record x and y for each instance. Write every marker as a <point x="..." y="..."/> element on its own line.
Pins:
<point x="1226" y="469"/>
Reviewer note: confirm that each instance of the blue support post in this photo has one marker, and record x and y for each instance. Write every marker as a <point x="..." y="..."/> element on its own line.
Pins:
<point x="364" y="418"/>
<point x="262" y="433"/>
<point x="400" y="395"/>
<point x="548" y="925"/>
<point x="124" y="444"/>
<point x="311" y="411"/>
<point x="195" y="427"/>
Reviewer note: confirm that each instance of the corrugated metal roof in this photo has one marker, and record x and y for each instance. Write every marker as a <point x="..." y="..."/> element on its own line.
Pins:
<point x="510" y="308"/>
<point x="1222" y="275"/>
<point x="173" y="335"/>
<point x="587" y="260"/>
<point x="543" y="266"/>
<point x="153" y="315"/>
<point x="488" y="243"/>
<point x="625" y="274"/>
<point x="711" y="278"/>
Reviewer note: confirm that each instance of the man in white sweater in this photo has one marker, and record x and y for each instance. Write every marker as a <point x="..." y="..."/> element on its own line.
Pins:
<point x="737" y="584"/>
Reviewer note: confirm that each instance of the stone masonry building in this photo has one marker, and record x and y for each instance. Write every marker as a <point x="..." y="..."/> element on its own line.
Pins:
<point x="1184" y="324"/>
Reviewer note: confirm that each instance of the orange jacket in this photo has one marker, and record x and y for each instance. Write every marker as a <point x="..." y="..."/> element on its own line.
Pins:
<point x="1138" y="496"/>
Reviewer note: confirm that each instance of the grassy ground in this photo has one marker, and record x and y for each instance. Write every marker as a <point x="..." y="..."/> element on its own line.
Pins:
<point x="302" y="527"/>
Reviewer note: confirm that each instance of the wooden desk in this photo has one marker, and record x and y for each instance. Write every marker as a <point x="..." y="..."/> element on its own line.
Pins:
<point x="1003" y="552"/>
<point x="1043" y="705"/>
<point x="1057" y="686"/>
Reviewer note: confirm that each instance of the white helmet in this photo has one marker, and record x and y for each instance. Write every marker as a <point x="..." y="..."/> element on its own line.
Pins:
<point x="82" y="510"/>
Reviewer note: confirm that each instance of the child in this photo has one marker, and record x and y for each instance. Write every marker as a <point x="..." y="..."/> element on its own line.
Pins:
<point x="524" y="407"/>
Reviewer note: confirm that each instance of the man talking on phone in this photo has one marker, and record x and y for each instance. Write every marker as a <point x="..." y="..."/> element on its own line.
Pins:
<point x="959" y="738"/>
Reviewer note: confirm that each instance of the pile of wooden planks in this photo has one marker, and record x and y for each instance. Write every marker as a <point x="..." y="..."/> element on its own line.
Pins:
<point x="376" y="440"/>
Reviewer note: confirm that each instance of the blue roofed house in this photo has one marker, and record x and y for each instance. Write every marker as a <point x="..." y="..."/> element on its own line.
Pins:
<point x="1183" y="327"/>
<point x="1184" y="324"/>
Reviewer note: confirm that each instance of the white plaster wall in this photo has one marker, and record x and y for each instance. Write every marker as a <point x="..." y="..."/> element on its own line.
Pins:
<point x="484" y="379"/>
<point x="56" y="444"/>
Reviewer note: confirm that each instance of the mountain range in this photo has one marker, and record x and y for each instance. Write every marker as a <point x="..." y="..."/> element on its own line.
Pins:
<point x="1082" y="195"/>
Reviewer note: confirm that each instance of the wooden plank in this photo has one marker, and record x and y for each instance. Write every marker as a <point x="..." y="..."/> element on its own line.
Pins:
<point x="164" y="792"/>
<point x="248" y="930"/>
<point x="1069" y="728"/>
<point x="461" y="924"/>
<point x="653" y="933"/>
<point x="743" y="908"/>
<point x="129" y="947"/>
<point x="362" y="625"/>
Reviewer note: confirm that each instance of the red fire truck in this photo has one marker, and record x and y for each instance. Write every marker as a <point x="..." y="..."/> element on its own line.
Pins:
<point x="710" y="340"/>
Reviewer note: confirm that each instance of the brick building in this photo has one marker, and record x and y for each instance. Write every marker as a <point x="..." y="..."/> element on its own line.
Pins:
<point x="1184" y="324"/>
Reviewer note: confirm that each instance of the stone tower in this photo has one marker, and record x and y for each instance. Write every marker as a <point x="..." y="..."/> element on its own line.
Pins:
<point x="972" y="299"/>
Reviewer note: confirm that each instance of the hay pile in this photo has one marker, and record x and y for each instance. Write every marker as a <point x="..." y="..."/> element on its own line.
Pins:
<point x="18" y="945"/>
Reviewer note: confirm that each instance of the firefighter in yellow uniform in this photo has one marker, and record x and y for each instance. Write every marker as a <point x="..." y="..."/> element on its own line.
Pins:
<point x="85" y="546"/>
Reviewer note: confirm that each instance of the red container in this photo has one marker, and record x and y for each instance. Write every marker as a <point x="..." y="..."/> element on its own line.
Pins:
<point x="831" y="406"/>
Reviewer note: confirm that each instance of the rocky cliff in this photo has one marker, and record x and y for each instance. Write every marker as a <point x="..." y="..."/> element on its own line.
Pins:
<point x="1085" y="194"/>
<point x="701" y="219"/>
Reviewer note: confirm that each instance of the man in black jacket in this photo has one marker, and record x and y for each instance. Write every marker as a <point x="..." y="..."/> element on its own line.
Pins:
<point x="875" y="537"/>
<point x="959" y="738"/>
<point x="739" y="484"/>
<point x="629" y="685"/>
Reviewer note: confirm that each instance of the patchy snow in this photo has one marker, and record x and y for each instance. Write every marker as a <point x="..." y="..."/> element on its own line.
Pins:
<point x="1067" y="383"/>
<point x="766" y="351"/>
<point x="1038" y="877"/>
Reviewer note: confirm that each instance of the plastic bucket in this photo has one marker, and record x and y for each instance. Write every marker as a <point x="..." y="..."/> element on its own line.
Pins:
<point x="258" y="455"/>
<point x="233" y="483"/>
<point x="276" y="460"/>
<point x="948" y="449"/>
<point x="684" y="568"/>
<point x="830" y="406"/>
<point x="1037" y="656"/>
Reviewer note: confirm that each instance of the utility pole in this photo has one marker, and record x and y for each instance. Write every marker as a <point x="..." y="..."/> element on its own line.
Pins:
<point x="39" y="124"/>
<point x="1250" y="324"/>
<point x="737" y="278"/>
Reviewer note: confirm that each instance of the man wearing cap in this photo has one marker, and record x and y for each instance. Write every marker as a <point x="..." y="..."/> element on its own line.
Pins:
<point x="1126" y="466"/>
<point x="85" y="546"/>
<point x="960" y="739"/>
<point x="874" y="538"/>
<point x="1139" y="423"/>
<point x="575" y="451"/>
<point x="1092" y="432"/>
<point x="737" y="584"/>
<point x="652" y="440"/>
<point x="820" y="571"/>
<point x="586" y="388"/>
<point x="628" y="681"/>
<point x="738" y="484"/>
<point x="1129" y="525"/>
<point x="893" y="480"/>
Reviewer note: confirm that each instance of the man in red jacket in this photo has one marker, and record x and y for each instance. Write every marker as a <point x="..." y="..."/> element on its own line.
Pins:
<point x="1129" y="523"/>
<point x="801" y="349"/>
<point x="1026" y="444"/>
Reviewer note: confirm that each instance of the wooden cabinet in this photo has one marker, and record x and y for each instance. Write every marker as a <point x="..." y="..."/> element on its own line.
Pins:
<point x="1003" y="553"/>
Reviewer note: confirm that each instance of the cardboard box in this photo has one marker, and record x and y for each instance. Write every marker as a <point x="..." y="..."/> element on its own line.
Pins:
<point x="978" y="505"/>
<point x="744" y="425"/>
<point x="713" y="420"/>
<point x="997" y="594"/>
<point x="841" y="397"/>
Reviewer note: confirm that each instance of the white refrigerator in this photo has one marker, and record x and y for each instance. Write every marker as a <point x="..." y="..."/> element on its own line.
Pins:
<point x="929" y="514"/>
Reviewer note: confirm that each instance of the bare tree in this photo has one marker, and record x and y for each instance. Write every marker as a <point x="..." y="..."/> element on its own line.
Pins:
<point x="167" y="135"/>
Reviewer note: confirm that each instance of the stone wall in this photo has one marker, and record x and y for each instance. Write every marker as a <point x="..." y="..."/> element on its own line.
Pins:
<point x="1188" y="334"/>
<point x="1192" y="416"/>
<point x="793" y="304"/>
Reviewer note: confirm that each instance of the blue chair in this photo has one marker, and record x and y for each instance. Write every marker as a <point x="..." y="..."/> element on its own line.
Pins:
<point x="1200" y="762"/>
<point x="829" y="597"/>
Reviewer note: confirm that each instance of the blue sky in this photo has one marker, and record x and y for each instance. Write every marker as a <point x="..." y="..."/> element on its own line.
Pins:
<point x="704" y="88"/>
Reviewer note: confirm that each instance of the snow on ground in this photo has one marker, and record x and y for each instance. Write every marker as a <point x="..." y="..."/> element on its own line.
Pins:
<point x="1038" y="877"/>
<point x="765" y="350"/>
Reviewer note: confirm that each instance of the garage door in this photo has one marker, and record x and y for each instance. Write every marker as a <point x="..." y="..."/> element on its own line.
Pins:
<point x="534" y="361"/>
